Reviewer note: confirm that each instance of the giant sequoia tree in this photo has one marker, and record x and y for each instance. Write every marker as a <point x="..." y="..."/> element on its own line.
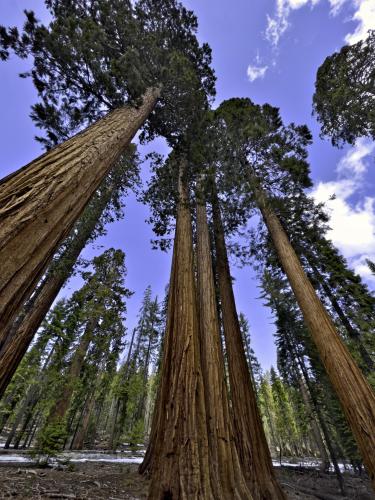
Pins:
<point x="92" y="58"/>
<point x="106" y="205"/>
<point x="271" y="159"/>
<point x="246" y="426"/>
<point x="192" y="356"/>
<point x="178" y="454"/>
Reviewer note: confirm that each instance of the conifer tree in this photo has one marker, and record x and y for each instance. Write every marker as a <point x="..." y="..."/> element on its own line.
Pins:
<point x="252" y="361"/>
<point x="106" y="205"/>
<point x="178" y="453"/>
<point x="272" y="158"/>
<point x="46" y="360"/>
<point x="226" y="475"/>
<point x="344" y="92"/>
<point x="130" y="390"/>
<point x="121" y="58"/>
<point x="250" y="440"/>
<point x="260" y="473"/>
<point x="101" y="306"/>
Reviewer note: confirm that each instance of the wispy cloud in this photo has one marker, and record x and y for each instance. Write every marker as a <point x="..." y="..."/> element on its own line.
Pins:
<point x="255" y="72"/>
<point x="364" y="15"/>
<point x="352" y="224"/>
<point x="279" y="22"/>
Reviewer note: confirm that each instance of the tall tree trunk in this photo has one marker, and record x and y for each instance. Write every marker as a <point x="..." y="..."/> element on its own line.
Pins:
<point x="26" y="420"/>
<point x="10" y="403"/>
<point x="353" y="334"/>
<point x="32" y="395"/>
<point x="314" y="425"/>
<point x="30" y="433"/>
<point x="61" y="406"/>
<point x="146" y="465"/>
<point x="250" y="437"/>
<point x="322" y="423"/>
<point x="305" y="390"/>
<point x="180" y="462"/>
<point x="83" y="425"/>
<point x="40" y="202"/>
<point x="142" y="400"/>
<point x="226" y="475"/>
<point x="118" y="422"/>
<point x="22" y="331"/>
<point x="354" y="393"/>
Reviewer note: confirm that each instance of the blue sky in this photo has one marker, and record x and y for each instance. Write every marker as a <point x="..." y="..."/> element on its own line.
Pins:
<point x="268" y="50"/>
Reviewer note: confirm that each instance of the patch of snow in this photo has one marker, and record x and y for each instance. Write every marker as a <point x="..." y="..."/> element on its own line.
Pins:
<point x="127" y="460"/>
<point x="76" y="457"/>
<point x="15" y="459"/>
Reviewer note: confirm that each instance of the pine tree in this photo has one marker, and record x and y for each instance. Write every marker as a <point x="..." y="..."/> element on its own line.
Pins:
<point x="285" y="423"/>
<point x="131" y="387"/>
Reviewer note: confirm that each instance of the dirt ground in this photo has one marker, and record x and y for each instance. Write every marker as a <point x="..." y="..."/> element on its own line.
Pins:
<point x="122" y="482"/>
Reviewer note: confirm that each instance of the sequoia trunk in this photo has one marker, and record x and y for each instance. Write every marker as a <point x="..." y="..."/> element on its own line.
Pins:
<point x="226" y="475"/>
<point x="22" y="331"/>
<point x="79" y="438"/>
<point x="249" y="433"/>
<point x="40" y="202"/>
<point x="353" y="334"/>
<point x="355" y="395"/>
<point x="179" y="462"/>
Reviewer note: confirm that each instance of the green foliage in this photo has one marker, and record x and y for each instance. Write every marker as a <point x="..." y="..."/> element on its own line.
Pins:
<point x="95" y="56"/>
<point x="285" y="423"/>
<point x="344" y="99"/>
<point x="52" y="438"/>
<point x="136" y="435"/>
<point x="371" y="266"/>
<point x="252" y="360"/>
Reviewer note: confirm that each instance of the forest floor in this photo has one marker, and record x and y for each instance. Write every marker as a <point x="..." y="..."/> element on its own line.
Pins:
<point x="121" y="481"/>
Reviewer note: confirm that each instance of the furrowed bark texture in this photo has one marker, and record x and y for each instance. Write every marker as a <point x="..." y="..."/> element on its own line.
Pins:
<point x="20" y="334"/>
<point x="179" y="462"/>
<point x="354" y="393"/>
<point x="249" y="433"/>
<point x="353" y="334"/>
<point x="227" y="478"/>
<point x="40" y="202"/>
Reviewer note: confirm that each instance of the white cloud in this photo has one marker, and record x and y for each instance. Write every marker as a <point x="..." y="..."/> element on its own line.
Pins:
<point x="254" y="72"/>
<point x="277" y="25"/>
<point x="352" y="224"/>
<point x="355" y="162"/>
<point x="364" y="15"/>
<point x="361" y="267"/>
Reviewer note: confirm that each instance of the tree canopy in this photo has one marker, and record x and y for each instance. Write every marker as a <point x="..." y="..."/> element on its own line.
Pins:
<point x="344" y="99"/>
<point x="96" y="55"/>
